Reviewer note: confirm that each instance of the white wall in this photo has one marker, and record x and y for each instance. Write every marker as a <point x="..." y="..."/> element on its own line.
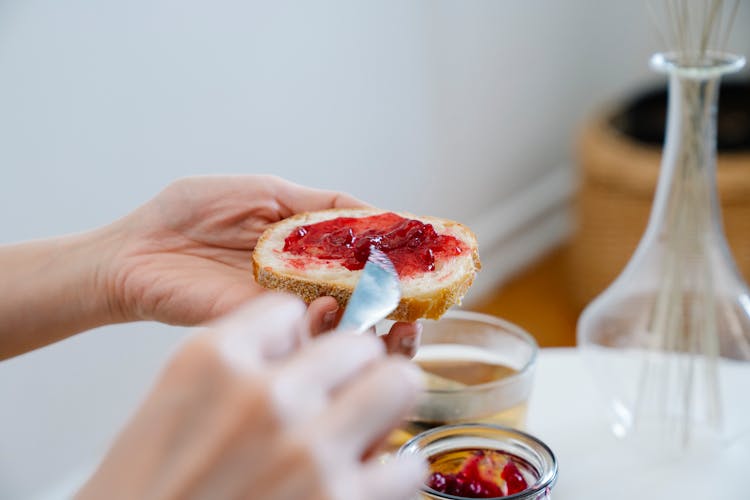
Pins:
<point x="454" y="108"/>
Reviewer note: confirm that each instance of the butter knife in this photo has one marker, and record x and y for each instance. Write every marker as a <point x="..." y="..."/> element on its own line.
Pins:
<point x="375" y="296"/>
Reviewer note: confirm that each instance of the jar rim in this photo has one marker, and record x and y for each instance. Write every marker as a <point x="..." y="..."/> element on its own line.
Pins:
<point x="460" y="314"/>
<point x="547" y="478"/>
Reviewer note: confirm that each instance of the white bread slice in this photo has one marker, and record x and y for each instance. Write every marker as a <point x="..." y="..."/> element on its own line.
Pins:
<point x="424" y="295"/>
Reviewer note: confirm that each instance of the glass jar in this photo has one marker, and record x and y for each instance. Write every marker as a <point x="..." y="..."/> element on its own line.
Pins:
<point x="478" y="368"/>
<point x="533" y="453"/>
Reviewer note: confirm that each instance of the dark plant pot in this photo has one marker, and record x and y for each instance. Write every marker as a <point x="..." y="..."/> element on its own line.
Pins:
<point x="642" y="119"/>
<point x="619" y="153"/>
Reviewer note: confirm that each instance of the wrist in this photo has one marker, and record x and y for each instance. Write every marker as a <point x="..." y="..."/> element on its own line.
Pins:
<point x="53" y="288"/>
<point x="99" y="250"/>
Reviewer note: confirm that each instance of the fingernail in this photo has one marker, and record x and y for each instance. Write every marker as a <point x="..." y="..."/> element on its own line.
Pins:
<point x="329" y="319"/>
<point x="419" y="327"/>
<point x="410" y="343"/>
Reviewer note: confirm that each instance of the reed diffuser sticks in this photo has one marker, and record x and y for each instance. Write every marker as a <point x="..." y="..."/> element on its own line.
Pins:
<point x="682" y="380"/>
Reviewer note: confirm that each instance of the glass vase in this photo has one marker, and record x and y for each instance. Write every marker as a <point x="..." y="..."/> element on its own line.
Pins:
<point x="669" y="340"/>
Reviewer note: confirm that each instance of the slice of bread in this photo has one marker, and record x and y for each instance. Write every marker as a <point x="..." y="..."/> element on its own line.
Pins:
<point x="424" y="295"/>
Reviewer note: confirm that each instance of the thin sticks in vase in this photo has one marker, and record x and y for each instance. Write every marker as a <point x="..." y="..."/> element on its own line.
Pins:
<point x="680" y="377"/>
<point x="692" y="28"/>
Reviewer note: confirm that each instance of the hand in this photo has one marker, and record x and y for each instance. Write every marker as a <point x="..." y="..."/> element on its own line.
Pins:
<point x="402" y="338"/>
<point x="252" y="409"/>
<point x="185" y="255"/>
<point x="182" y="258"/>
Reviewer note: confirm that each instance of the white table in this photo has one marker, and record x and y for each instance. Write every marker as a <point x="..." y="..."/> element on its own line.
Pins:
<point x="567" y="413"/>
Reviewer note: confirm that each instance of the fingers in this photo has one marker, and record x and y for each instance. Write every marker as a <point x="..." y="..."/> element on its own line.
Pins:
<point x="397" y="479"/>
<point x="267" y="328"/>
<point x="296" y="198"/>
<point x="322" y="315"/>
<point x="305" y="382"/>
<point x="311" y="412"/>
<point x="370" y="406"/>
<point x="403" y="338"/>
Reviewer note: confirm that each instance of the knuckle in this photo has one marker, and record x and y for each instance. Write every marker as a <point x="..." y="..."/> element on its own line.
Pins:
<point x="394" y="377"/>
<point x="197" y="358"/>
<point x="250" y="400"/>
<point x="200" y="366"/>
<point x="179" y="185"/>
<point x="270" y="178"/>
<point x="367" y="345"/>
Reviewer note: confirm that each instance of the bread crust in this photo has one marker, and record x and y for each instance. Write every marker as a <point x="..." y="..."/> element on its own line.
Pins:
<point x="410" y="308"/>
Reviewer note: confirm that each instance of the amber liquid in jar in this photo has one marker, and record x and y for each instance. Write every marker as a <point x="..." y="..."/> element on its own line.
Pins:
<point x="455" y="374"/>
<point x="466" y="372"/>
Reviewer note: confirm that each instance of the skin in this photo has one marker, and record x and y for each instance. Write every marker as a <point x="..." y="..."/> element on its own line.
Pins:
<point x="253" y="407"/>
<point x="257" y="405"/>
<point x="182" y="258"/>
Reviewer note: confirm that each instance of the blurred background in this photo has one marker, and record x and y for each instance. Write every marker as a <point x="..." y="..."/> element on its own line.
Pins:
<point x="485" y="112"/>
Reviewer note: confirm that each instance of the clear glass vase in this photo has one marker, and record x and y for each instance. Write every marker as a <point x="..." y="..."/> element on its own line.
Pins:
<point x="669" y="340"/>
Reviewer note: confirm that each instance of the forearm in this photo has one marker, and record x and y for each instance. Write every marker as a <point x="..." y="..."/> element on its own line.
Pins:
<point x="51" y="289"/>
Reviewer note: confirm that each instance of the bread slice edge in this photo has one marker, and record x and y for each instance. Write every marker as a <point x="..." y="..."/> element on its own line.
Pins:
<point x="411" y="307"/>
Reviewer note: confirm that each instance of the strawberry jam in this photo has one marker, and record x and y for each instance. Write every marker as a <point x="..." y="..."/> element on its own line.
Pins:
<point x="475" y="473"/>
<point x="412" y="246"/>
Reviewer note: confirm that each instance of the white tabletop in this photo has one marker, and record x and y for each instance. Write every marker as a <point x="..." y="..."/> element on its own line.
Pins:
<point x="568" y="413"/>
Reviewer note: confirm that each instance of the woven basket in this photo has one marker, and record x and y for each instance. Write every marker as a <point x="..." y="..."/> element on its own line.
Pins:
<point x="618" y="178"/>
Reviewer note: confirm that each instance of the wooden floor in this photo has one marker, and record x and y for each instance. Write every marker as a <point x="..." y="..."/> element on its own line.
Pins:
<point x="536" y="301"/>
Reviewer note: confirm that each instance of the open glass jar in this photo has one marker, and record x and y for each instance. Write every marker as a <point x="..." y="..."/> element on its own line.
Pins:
<point x="478" y="368"/>
<point x="447" y="448"/>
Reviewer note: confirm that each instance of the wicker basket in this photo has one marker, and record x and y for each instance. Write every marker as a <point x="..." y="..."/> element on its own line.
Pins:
<point x="617" y="181"/>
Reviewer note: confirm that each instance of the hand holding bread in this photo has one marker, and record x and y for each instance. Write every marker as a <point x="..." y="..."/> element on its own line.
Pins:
<point x="181" y="258"/>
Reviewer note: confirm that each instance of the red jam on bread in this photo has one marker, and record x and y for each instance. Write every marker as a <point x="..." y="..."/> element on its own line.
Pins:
<point x="478" y="474"/>
<point x="412" y="246"/>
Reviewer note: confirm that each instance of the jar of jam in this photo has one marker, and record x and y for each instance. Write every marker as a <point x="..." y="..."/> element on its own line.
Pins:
<point x="484" y="461"/>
